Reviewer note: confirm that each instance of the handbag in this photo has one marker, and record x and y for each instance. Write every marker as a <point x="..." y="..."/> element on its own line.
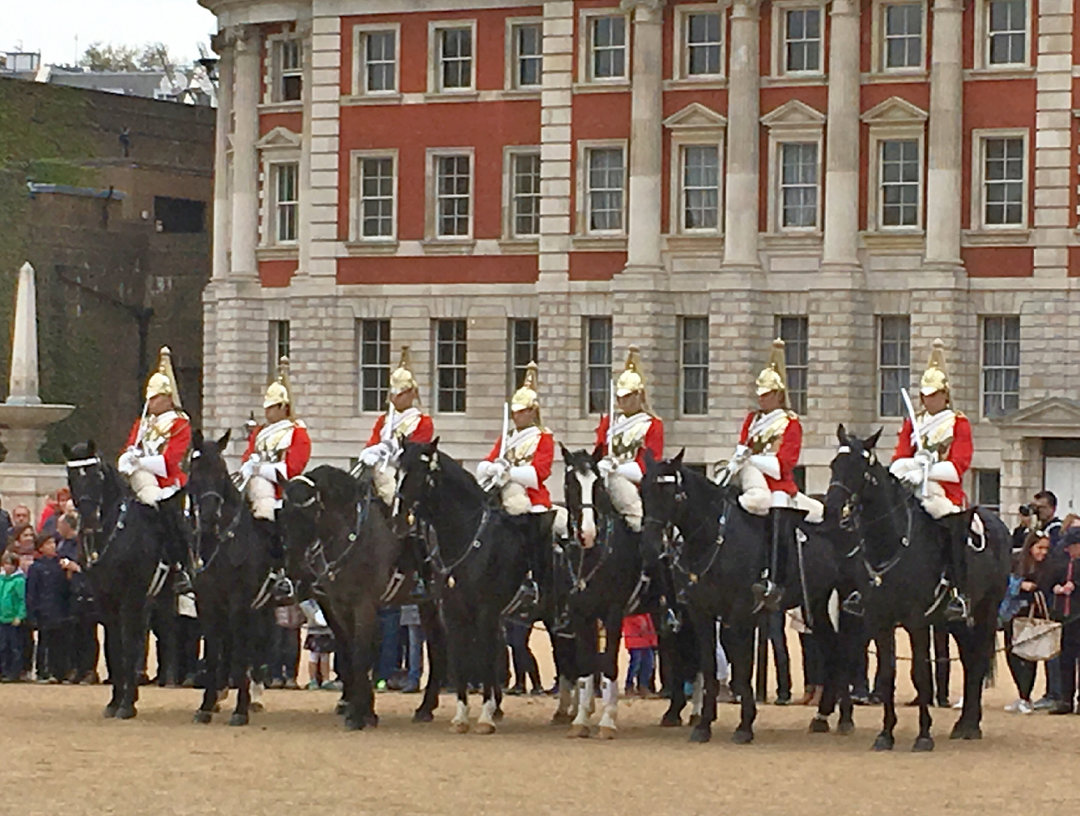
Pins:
<point x="1034" y="636"/>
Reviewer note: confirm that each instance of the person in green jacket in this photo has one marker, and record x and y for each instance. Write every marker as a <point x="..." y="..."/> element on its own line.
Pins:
<point x="12" y="616"/>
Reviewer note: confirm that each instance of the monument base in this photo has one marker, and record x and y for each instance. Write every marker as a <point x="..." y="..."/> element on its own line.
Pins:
<point x="29" y="484"/>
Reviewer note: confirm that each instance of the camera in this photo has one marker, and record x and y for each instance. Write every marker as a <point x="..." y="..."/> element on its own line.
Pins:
<point x="1026" y="510"/>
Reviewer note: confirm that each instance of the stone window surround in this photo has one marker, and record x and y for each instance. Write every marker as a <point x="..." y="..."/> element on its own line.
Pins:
<point x="982" y="39"/>
<point x="581" y="189"/>
<point x="777" y="64"/>
<point x="694" y="125"/>
<point x="510" y="82"/>
<point x="877" y="40"/>
<point x="584" y="43"/>
<point x="804" y="124"/>
<point x="434" y="61"/>
<point x="978" y="170"/>
<point x="431" y="209"/>
<point x="509" y="152"/>
<point x="359" y="83"/>
<point x="355" y="196"/>
<point x="680" y="47"/>
<point x="272" y="70"/>
<point x="279" y="146"/>
<point x="895" y="118"/>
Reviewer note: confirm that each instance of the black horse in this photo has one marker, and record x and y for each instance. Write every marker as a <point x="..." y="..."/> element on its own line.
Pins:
<point x="121" y="551"/>
<point x="231" y="583"/>
<point x="898" y="561"/>
<point x="605" y="570"/>
<point x="479" y="557"/>
<point x="717" y="550"/>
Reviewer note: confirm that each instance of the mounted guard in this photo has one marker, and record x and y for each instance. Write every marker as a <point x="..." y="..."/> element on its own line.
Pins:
<point x="932" y="454"/>
<point x="763" y="464"/>
<point x="152" y="463"/>
<point x="622" y="441"/>
<point x="276" y="452"/>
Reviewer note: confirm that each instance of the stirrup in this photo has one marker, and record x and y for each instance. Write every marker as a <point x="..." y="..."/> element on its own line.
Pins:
<point x="181" y="584"/>
<point x="284" y="591"/>
<point x="853" y="604"/>
<point x="670" y="623"/>
<point x="419" y="591"/>
<point x="767" y="595"/>
<point x="958" y="608"/>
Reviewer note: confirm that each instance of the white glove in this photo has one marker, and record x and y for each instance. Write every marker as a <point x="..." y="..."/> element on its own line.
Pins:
<point x="501" y="471"/>
<point x="742" y="453"/>
<point x="370" y="456"/>
<point x="630" y="471"/>
<point x="268" y="471"/>
<point x="128" y="461"/>
<point x="913" y="477"/>
<point x="247" y="469"/>
<point x="606" y="466"/>
<point x="925" y="457"/>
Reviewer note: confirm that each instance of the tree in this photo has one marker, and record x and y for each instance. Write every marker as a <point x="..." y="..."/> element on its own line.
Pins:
<point x="109" y="57"/>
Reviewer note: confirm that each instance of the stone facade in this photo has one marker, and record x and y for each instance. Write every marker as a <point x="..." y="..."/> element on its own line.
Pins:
<point x="947" y="271"/>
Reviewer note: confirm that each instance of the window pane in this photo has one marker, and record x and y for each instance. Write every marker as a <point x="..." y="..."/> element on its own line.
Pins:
<point x="703" y="39"/>
<point x="374" y="364"/>
<point x="794" y="331"/>
<point x="1001" y="365"/>
<point x="695" y="365"/>
<point x="598" y="364"/>
<point x="605" y="189"/>
<point x="609" y="47"/>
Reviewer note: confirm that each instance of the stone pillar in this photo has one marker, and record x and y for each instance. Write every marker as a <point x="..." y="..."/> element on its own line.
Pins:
<point x="943" y="174"/>
<point x="646" y="115"/>
<point x="322" y="74"/>
<point x="304" y="169"/>
<point x="743" y="137"/>
<point x="245" y="189"/>
<point x="842" y="139"/>
<point x="221" y="155"/>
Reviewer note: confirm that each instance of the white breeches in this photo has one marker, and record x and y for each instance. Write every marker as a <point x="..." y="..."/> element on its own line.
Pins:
<point x="935" y="502"/>
<point x="757" y="499"/>
<point x="145" y="486"/>
<point x="262" y="497"/>
<point x="626" y="499"/>
<point x="561" y="526"/>
<point x="385" y="481"/>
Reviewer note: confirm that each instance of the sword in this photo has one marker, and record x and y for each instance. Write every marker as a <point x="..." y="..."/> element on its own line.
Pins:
<point x="489" y="482"/>
<point x="918" y="436"/>
<point x="610" y="417"/>
<point x="142" y="425"/>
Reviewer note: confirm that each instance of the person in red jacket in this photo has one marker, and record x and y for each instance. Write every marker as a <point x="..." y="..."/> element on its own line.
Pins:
<point x="402" y="422"/>
<point x="622" y="443"/>
<point x="933" y="451"/>
<point x="639" y="637"/>
<point x="152" y="463"/>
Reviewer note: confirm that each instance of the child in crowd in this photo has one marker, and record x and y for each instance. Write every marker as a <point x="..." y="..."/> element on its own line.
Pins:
<point x="639" y="635"/>
<point x="12" y="617"/>
<point x="320" y="644"/>
<point x="46" y="603"/>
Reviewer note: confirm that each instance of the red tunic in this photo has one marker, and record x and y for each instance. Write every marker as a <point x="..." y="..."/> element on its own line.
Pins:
<point x="787" y="454"/>
<point x="296" y="455"/>
<point x="959" y="452"/>
<point x="174" y="451"/>
<point x="541" y="462"/>
<point x="654" y="440"/>
<point x="424" y="431"/>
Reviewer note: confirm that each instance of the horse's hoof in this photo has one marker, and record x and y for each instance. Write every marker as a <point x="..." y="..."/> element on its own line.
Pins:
<point x="484" y="728"/>
<point x="459" y="728"/>
<point x="371" y="720"/>
<point x="256" y="707"/>
<point x="741" y="737"/>
<point x="701" y="734"/>
<point x="353" y="724"/>
<point x="845" y="727"/>
<point x="670" y="721"/>
<point x="126" y="712"/>
<point x="605" y="733"/>
<point x="819" y="726"/>
<point x="974" y="734"/>
<point x="217" y="708"/>
<point x="341" y="708"/>
<point x="577" y="731"/>
<point x="884" y="742"/>
<point x="109" y="712"/>
<point x="238" y="719"/>
<point x="498" y="715"/>
<point x="964" y="731"/>
<point x="202" y="717"/>
<point x="561" y="718"/>
<point x="694" y="720"/>
<point x="422" y="716"/>
<point x="923" y="744"/>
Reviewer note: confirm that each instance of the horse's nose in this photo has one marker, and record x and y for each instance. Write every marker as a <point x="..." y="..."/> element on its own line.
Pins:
<point x="588" y="527"/>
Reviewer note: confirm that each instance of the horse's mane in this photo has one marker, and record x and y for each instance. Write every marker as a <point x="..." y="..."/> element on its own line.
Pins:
<point x="456" y="471"/>
<point x="337" y="487"/>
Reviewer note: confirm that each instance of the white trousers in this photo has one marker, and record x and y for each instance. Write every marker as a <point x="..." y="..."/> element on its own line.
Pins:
<point x="626" y="499"/>
<point x="262" y="495"/>
<point x="757" y="499"/>
<point x="144" y="485"/>
<point x="935" y="502"/>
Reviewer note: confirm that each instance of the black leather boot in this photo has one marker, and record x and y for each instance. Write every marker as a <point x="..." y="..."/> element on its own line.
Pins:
<point x="176" y="537"/>
<point x="769" y="591"/>
<point x="956" y="530"/>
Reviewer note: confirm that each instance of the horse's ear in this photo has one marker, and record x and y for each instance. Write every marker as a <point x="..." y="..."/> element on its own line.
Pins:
<point x="91" y="448"/>
<point x="282" y="480"/>
<point x="64" y="449"/>
<point x="679" y="456"/>
<point x="841" y="434"/>
<point x="872" y="440"/>
<point x="196" y="439"/>
<point x="435" y="443"/>
<point x="597" y="454"/>
<point x="223" y="442"/>
<point x="650" y="460"/>
<point x="565" y="453"/>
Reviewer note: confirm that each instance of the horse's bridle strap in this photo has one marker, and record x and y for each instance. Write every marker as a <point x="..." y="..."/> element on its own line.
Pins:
<point x="78" y="463"/>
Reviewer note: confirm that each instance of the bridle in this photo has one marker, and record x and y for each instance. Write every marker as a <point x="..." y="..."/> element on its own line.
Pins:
<point x="675" y="539"/>
<point x="91" y="474"/>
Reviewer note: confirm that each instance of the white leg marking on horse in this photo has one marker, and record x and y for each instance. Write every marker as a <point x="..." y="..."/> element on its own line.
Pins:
<point x="609" y="696"/>
<point x="487" y="713"/>
<point x="461" y="715"/>
<point x="567" y="701"/>
<point x="588" y="517"/>
<point x="698" y="695"/>
<point x="585" y="695"/>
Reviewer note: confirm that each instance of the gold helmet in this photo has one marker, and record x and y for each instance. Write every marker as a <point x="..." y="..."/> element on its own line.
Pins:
<point x="162" y="383"/>
<point x="527" y="396"/>
<point x="774" y="376"/>
<point x="936" y="377"/>
<point x="279" y="392"/>
<point x="631" y="380"/>
<point x="401" y="378"/>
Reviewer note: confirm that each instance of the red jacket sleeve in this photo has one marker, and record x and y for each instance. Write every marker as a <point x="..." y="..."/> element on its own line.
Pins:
<point x="425" y="430"/>
<point x="790" y="448"/>
<point x="961" y="449"/>
<point x="654" y="442"/>
<point x="298" y="454"/>
<point x="544" y="457"/>
<point x="376" y="432"/>
<point x="250" y="449"/>
<point x="494" y="452"/>
<point x="134" y="434"/>
<point x="904" y="448"/>
<point x="176" y="449"/>
<point x="744" y="434"/>
<point x="601" y="434"/>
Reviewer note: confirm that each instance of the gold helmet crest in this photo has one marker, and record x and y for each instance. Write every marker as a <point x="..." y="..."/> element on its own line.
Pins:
<point x="401" y="378"/>
<point x="528" y="395"/>
<point x="774" y="376"/>
<point x="162" y="383"/>
<point x="936" y="376"/>
<point x="632" y="379"/>
<point x="279" y="392"/>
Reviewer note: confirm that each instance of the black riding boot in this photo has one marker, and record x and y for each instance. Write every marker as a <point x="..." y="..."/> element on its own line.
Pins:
<point x="956" y="532"/>
<point x="177" y="540"/>
<point x="769" y="591"/>
<point x="415" y="547"/>
<point x="282" y="590"/>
